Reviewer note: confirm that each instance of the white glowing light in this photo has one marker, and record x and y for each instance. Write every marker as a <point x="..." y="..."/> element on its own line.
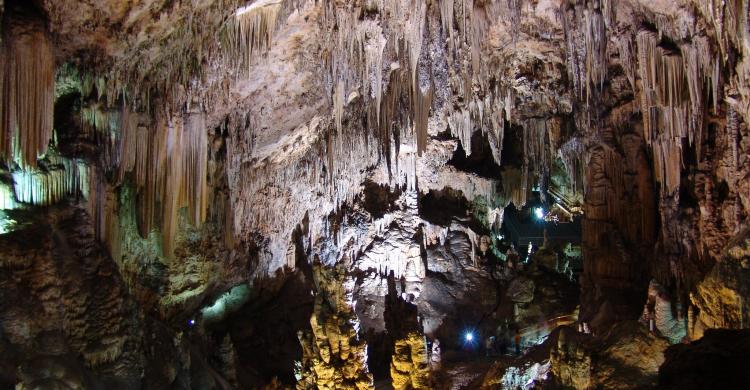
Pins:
<point x="191" y="322"/>
<point x="227" y="303"/>
<point x="539" y="212"/>
<point x="7" y="224"/>
<point x="469" y="336"/>
<point x="254" y="6"/>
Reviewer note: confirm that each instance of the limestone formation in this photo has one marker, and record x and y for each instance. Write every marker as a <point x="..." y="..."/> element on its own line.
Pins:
<point x="198" y="194"/>
<point x="333" y="356"/>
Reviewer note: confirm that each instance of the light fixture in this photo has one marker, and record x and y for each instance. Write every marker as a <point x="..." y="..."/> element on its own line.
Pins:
<point x="191" y="322"/>
<point x="539" y="212"/>
<point x="469" y="337"/>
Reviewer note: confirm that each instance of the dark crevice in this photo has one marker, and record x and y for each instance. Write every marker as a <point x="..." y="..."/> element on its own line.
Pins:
<point x="480" y="161"/>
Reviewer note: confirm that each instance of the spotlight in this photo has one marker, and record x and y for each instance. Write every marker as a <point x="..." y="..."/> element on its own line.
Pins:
<point x="539" y="212"/>
<point x="469" y="337"/>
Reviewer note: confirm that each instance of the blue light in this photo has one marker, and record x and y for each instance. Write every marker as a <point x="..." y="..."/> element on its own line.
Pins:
<point x="191" y="322"/>
<point x="539" y="212"/>
<point x="469" y="336"/>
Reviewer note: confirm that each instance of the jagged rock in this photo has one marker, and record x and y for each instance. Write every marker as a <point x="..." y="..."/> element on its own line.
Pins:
<point x="627" y="357"/>
<point x="571" y="363"/>
<point x="521" y="290"/>
<point x="333" y="355"/>
<point x="410" y="368"/>
<point x="722" y="295"/>
<point x="213" y="143"/>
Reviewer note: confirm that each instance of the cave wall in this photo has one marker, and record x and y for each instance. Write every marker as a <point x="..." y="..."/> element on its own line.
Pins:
<point x="213" y="143"/>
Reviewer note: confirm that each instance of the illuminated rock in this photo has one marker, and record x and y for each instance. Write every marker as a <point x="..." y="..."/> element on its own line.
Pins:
<point x="333" y="355"/>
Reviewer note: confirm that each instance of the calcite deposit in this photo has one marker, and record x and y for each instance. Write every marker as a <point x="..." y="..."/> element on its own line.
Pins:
<point x="410" y="194"/>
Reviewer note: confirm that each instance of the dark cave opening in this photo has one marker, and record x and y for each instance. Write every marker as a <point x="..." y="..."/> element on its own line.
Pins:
<point x="480" y="161"/>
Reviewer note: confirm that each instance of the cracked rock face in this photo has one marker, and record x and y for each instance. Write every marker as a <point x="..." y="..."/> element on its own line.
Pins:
<point x="314" y="194"/>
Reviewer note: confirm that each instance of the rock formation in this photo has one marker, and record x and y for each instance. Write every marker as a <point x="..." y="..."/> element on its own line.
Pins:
<point x="279" y="193"/>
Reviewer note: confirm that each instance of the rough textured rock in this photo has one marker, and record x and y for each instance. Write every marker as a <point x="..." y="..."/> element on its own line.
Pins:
<point x="521" y="290"/>
<point x="409" y="367"/>
<point x="716" y="360"/>
<point x="158" y="154"/>
<point x="627" y="357"/>
<point x="720" y="298"/>
<point x="333" y="357"/>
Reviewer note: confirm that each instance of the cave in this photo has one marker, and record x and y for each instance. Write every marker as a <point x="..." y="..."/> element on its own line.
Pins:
<point x="369" y="194"/>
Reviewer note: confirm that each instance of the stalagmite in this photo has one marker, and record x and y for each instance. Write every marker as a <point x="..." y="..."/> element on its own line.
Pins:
<point x="26" y="93"/>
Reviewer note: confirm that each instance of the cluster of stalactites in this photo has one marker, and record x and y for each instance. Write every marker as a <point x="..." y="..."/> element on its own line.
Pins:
<point x="486" y="108"/>
<point x="307" y="178"/>
<point x="248" y="32"/>
<point x="586" y="46"/>
<point x="169" y="168"/>
<point x="356" y="56"/>
<point x="674" y="87"/>
<point x="537" y="160"/>
<point x="488" y="114"/>
<point x="60" y="177"/>
<point x="572" y="154"/>
<point x="27" y="69"/>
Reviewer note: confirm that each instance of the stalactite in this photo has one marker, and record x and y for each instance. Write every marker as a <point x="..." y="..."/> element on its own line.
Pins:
<point x="338" y="105"/>
<point x="573" y="156"/>
<point x="586" y="45"/>
<point x="249" y="31"/>
<point x="195" y="168"/>
<point x="169" y="168"/>
<point x="461" y="126"/>
<point x="536" y="153"/>
<point x="129" y="150"/>
<point x="515" y="186"/>
<point x="47" y="185"/>
<point x="669" y="83"/>
<point x="7" y="197"/>
<point x="732" y="127"/>
<point x="446" y="17"/>
<point x="421" y="109"/>
<point x="26" y="94"/>
<point x="373" y="69"/>
<point x="172" y="192"/>
<point x="627" y="58"/>
<point x="414" y="38"/>
<point x="420" y="101"/>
